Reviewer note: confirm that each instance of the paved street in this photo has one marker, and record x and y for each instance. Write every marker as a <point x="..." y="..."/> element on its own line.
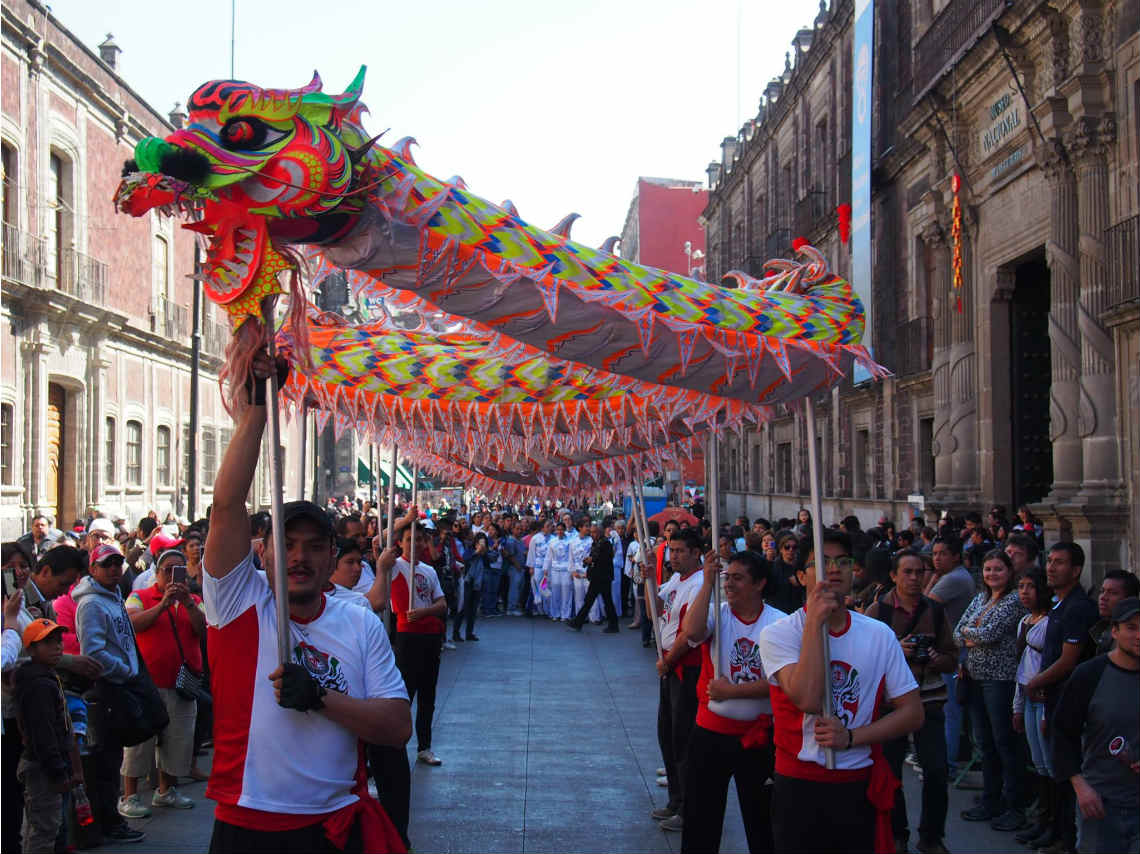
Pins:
<point x="549" y="744"/>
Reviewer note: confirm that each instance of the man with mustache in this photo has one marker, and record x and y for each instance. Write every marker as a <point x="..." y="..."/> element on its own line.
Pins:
<point x="287" y="737"/>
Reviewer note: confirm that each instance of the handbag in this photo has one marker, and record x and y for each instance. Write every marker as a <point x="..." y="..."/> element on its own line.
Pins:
<point x="125" y="714"/>
<point x="188" y="684"/>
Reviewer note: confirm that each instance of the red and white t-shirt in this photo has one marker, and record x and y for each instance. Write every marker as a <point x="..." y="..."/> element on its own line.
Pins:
<point x="294" y="766"/>
<point x="676" y="594"/>
<point x="427" y="591"/>
<point x="867" y="666"/>
<point x="738" y="651"/>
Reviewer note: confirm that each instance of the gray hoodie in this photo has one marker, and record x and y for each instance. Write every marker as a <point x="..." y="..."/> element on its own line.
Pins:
<point x="104" y="629"/>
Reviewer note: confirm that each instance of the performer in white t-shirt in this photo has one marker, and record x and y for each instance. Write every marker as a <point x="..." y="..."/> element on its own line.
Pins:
<point x="846" y="808"/>
<point x="580" y="550"/>
<point x="287" y="767"/>
<point x="732" y="738"/>
<point x="679" y="668"/>
<point x="535" y="561"/>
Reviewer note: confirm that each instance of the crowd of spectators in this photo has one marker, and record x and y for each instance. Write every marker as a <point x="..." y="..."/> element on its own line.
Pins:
<point x="994" y="626"/>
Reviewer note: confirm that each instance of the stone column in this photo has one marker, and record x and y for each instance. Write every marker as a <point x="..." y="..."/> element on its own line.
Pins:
<point x="1088" y="141"/>
<point x="1064" y="334"/>
<point x="963" y="384"/>
<point x="35" y="427"/>
<point x="934" y="237"/>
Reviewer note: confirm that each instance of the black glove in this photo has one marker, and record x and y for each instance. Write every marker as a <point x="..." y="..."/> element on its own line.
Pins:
<point x="255" y="387"/>
<point x="299" y="690"/>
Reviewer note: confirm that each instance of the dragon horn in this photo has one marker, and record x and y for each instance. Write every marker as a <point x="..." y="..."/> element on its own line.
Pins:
<point x="609" y="244"/>
<point x="351" y="95"/>
<point x="562" y="229"/>
<point x="315" y="85"/>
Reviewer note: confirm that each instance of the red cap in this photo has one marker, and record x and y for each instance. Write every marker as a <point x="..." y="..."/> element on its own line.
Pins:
<point x="104" y="552"/>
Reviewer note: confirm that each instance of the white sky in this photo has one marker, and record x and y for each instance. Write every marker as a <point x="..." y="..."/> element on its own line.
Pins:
<point x="557" y="106"/>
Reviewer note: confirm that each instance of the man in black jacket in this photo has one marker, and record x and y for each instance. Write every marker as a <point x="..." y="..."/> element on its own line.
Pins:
<point x="600" y="574"/>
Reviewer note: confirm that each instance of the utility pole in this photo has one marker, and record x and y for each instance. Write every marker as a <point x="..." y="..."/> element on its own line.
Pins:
<point x="195" y="353"/>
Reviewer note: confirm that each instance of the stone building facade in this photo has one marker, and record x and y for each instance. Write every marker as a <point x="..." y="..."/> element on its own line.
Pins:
<point x="1021" y="386"/>
<point x="96" y="339"/>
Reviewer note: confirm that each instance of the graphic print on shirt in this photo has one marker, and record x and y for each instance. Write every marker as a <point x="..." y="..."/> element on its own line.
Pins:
<point x="844" y="691"/>
<point x="744" y="661"/>
<point x="423" y="587"/>
<point x="670" y="597"/>
<point x="321" y="666"/>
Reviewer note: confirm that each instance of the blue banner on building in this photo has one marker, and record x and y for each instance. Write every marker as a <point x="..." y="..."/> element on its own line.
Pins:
<point x="863" y="55"/>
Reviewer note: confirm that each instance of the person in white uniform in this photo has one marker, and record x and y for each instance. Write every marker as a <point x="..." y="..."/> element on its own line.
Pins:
<point x="580" y="550"/>
<point x="557" y="568"/>
<point x="536" y="563"/>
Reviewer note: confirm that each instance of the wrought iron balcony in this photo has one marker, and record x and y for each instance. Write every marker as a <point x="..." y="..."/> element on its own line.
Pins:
<point x="82" y="277"/>
<point x="914" y="347"/>
<point x="215" y="337"/>
<point x="171" y="320"/>
<point x="24" y="257"/>
<point x="1122" y="253"/>
<point x="952" y="32"/>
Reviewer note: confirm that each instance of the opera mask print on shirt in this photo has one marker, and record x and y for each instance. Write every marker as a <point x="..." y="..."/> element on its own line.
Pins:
<point x="668" y="602"/>
<point x="321" y="666"/>
<point x="744" y="661"/>
<point x="844" y="691"/>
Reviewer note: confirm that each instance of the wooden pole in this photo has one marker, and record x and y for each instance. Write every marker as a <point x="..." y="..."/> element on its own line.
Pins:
<point x="820" y="569"/>
<point x="648" y="566"/>
<point x="712" y="501"/>
<point x="391" y="499"/>
<point x="280" y="575"/>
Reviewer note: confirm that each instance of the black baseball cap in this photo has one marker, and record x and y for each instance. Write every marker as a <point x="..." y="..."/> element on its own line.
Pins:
<point x="296" y="510"/>
<point x="1126" y="609"/>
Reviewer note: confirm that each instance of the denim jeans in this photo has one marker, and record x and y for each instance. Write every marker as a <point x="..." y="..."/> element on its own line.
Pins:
<point x="490" y="594"/>
<point x="1038" y="743"/>
<point x="991" y="712"/>
<point x="930" y="746"/>
<point x="515" y="595"/>
<point x="953" y="713"/>
<point x="1118" y="831"/>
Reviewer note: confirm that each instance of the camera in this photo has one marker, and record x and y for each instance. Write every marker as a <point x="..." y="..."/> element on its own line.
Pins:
<point x="923" y="644"/>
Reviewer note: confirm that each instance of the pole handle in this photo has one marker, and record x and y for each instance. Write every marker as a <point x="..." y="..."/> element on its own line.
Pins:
<point x="276" y="487"/>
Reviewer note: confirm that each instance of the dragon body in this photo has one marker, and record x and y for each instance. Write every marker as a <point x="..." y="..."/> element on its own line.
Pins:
<point x="555" y="332"/>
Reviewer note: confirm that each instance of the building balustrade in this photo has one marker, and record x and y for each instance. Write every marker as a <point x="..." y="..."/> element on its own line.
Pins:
<point x="1122" y="255"/>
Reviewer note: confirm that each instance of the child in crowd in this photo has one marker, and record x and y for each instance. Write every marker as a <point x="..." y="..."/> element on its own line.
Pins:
<point x="50" y="767"/>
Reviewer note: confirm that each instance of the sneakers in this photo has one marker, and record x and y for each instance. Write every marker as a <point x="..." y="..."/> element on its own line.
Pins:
<point x="1058" y="847"/>
<point x="455" y="638"/>
<point x="674" y="824"/>
<point x="979" y="813"/>
<point x="515" y="612"/>
<point x="663" y="781"/>
<point x="133" y="807"/>
<point x="662" y="813"/>
<point x="610" y="630"/>
<point x="472" y="637"/>
<point x="661" y="772"/>
<point x="448" y="645"/>
<point x="123" y="833"/>
<point x="171" y="798"/>
<point x="1008" y="821"/>
<point x="428" y="758"/>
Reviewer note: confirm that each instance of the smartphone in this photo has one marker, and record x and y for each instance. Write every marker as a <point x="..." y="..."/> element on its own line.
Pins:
<point x="179" y="575"/>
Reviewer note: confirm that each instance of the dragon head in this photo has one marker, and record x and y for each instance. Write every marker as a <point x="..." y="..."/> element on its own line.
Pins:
<point x="253" y="167"/>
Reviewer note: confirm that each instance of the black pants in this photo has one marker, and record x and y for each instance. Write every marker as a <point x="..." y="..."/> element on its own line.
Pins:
<point x="676" y="716"/>
<point x="470" y="605"/>
<point x="393" y="778"/>
<point x="418" y="656"/>
<point x="809" y="817"/>
<point x="596" y="589"/>
<point x="12" y="809"/>
<point x="231" y="839"/>
<point x="103" y="789"/>
<point x="930" y="747"/>
<point x="715" y="759"/>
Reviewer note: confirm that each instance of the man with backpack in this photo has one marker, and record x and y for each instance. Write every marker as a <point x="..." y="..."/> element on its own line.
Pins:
<point x="927" y="641"/>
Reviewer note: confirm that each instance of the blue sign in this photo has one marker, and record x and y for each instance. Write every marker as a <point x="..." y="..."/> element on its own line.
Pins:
<point x="862" y="47"/>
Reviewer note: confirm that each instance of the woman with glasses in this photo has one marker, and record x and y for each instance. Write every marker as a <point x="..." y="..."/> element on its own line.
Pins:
<point x="988" y="632"/>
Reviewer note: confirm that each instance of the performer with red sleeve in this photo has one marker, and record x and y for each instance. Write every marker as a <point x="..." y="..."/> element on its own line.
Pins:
<point x="678" y="668"/>
<point x="733" y="733"/>
<point x="867" y="668"/>
<point x="287" y="775"/>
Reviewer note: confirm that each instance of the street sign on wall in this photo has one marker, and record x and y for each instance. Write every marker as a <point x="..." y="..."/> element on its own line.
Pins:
<point x="862" y="47"/>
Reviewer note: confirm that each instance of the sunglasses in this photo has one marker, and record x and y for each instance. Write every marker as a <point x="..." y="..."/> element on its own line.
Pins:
<point x="844" y="563"/>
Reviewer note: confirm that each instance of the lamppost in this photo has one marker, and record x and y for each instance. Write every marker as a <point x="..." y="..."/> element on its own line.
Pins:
<point x="694" y="256"/>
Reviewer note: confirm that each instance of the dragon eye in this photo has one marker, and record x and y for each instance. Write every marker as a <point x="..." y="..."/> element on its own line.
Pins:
<point x="244" y="133"/>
